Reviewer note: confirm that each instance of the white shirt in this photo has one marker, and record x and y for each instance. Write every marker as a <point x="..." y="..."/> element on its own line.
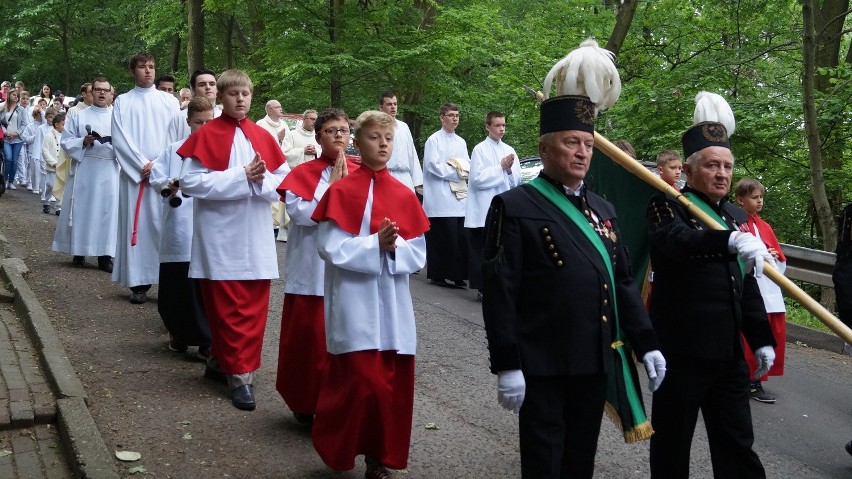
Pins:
<point x="367" y="297"/>
<point x="304" y="269"/>
<point x="176" y="235"/>
<point x="404" y="165"/>
<point x="438" y="199"/>
<point x="274" y="127"/>
<point x="773" y="298"/>
<point x="488" y="179"/>
<point x="232" y="236"/>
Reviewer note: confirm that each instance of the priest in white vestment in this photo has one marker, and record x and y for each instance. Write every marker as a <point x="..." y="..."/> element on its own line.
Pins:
<point x="404" y="164"/>
<point x="301" y="144"/>
<point x="88" y="225"/>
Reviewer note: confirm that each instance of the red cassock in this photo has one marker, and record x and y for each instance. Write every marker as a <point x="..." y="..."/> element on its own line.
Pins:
<point x="236" y="309"/>
<point x="302" y="352"/>
<point x="366" y="400"/>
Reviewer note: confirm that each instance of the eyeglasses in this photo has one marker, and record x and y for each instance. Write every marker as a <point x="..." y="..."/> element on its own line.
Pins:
<point x="336" y="131"/>
<point x="101" y="90"/>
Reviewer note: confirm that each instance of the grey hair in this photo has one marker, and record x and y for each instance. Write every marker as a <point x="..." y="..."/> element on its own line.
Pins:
<point x="692" y="159"/>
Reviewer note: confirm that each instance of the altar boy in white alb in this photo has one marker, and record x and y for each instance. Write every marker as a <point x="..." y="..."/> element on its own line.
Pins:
<point x="140" y="120"/>
<point x="88" y="224"/>
<point x="232" y="170"/>
<point x="371" y="236"/>
<point x="494" y="168"/>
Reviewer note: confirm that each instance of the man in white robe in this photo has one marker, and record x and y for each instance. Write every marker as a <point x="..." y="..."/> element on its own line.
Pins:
<point x="140" y="120"/>
<point x="88" y="225"/>
<point x="203" y="83"/>
<point x="404" y="164"/>
<point x="301" y="144"/>
<point x="445" y="199"/>
<point x="494" y="168"/>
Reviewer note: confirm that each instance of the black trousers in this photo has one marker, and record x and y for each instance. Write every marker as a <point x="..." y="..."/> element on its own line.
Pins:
<point x="475" y="238"/>
<point x="719" y="390"/>
<point x="181" y="306"/>
<point x="559" y="425"/>
<point x="446" y="249"/>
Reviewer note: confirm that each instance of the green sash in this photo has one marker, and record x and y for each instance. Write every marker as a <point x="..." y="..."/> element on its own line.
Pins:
<point x="625" y="401"/>
<point x="703" y="206"/>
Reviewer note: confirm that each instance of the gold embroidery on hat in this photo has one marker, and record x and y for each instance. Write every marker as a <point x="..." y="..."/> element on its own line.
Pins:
<point x="715" y="133"/>
<point x="585" y="112"/>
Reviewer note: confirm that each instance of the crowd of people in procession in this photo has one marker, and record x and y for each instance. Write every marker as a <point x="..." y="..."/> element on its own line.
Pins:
<point x="179" y="188"/>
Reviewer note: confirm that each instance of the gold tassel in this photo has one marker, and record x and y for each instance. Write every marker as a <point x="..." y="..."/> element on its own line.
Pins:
<point x="640" y="432"/>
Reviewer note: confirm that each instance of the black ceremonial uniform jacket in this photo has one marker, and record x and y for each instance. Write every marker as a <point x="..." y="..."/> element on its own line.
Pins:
<point x="700" y="300"/>
<point x="548" y="300"/>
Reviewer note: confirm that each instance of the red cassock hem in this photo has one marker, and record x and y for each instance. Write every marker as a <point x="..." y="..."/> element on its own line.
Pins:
<point x="778" y="325"/>
<point x="236" y="312"/>
<point x="302" y="353"/>
<point x="366" y="405"/>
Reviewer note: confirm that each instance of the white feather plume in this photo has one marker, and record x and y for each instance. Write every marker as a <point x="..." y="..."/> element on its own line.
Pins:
<point x="589" y="71"/>
<point x="712" y="107"/>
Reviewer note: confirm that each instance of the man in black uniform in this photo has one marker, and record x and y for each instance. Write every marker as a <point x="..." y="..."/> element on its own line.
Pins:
<point x="557" y="286"/>
<point x="703" y="298"/>
<point x="842" y="275"/>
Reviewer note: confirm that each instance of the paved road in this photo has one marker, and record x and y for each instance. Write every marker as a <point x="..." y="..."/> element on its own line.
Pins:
<point x="147" y="399"/>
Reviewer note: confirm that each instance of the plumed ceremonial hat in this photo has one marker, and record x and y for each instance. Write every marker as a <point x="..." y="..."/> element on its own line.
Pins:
<point x="713" y="124"/>
<point x="586" y="83"/>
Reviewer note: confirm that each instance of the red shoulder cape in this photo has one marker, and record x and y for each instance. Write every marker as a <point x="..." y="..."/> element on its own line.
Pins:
<point x="302" y="181"/>
<point x="211" y="144"/>
<point x="346" y="200"/>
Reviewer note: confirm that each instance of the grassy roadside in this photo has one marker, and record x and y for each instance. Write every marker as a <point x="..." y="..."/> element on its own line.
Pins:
<point x="798" y="315"/>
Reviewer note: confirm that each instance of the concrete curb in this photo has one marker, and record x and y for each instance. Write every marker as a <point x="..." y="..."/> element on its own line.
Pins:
<point x="90" y="455"/>
<point x="814" y="338"/>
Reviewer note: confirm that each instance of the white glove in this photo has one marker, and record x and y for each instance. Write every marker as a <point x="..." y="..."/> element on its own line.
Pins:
<point x="511" y="388"/>
<point x="765" y="358"/>
<point x="752" y="251"/>
<point x="655" y="366"/>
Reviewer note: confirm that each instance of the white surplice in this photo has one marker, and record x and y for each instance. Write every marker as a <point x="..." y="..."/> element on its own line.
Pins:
<point x="488" y="179"/>
<point x="179" y="128"/>
<point x="88" y="224"/>
<point x="438" y="198"/>
<point x="304" y="270"/>
<point x="232" y="236"/>
<point x="404" y="164"/>
<point x="176" y="234"/>
<point x="140" y="121"/>
<point x="367" y="297"/>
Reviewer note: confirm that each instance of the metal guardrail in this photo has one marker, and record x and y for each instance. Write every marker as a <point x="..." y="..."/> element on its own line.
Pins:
<point x="809" y="265"/>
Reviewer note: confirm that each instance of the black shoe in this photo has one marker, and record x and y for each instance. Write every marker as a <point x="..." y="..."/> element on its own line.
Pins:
<point x="304" y="418"/>
<point x="460" y="284"/>
<point x="242" y="397"/>
<point x="213" y="375"/>
<point x="45" y="209"/>
<point x="78" y="260"/>
<point x="442" y="283"/>
<point x="105" y="263"/>
<point x="138" y="298"/>
<point x="758" y="394"/>
<point x="377" y="472"/>
<point x="58" y="210"/>
<point x="175" y="346"/>
<point x="849" y="447"/>
<point x="203" y="353"/>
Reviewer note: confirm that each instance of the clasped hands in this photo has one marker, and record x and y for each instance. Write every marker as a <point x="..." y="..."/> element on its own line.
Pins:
<point x="255" y="169"/>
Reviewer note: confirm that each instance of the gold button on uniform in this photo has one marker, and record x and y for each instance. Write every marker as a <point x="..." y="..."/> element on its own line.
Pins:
<point x="555" y="255"/>
<point x="606" y="286"/>
<point x="548" y="239"/>
<point x="545" y="231"/>
<point x="559" y="263"/>
<point x="603" y="318"/>
<point x="551" y="247"/>
<point x="606" y="302"/>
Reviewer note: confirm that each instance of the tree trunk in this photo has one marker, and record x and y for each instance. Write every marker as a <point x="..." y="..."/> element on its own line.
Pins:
<point x="229" y="42"/>
<point x="820" y="198"/>
<point x="175" y="53"/>
<point x="335" y="81"/>
<point x="623" y="20"/>
<point x="195" y="36"/>
<point x="66" y="55"/>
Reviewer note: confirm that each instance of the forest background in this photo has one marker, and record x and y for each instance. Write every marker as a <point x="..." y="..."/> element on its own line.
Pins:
<point x="784" y="65"/>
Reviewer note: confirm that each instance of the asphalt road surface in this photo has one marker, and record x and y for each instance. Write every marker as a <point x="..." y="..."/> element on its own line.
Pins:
<point x="147" y="399"/>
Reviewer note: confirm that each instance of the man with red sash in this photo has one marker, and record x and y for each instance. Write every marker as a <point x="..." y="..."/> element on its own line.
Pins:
<point x="302" y="355"/>
<point x="558" y="295"/>
<point x="232" y="168"/>
<point x="705" y="295"/>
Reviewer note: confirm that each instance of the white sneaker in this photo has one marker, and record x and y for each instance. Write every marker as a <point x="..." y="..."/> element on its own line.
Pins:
<point x="11" y="186"/>
<point x="36" y="192"/>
